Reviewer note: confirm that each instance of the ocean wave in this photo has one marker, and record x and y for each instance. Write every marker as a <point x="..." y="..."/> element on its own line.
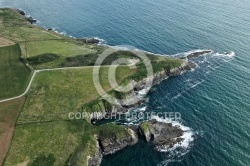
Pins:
<point x="229" y="54"/>
<point x="185" y="54"/>
<point x="188" y="137"/>
<point x="61" y="33"/>
<point x="143" y="108"/>
<point x="198" y="83"/>
<point x="123" y="47"/>
<point x="101" y="41"/>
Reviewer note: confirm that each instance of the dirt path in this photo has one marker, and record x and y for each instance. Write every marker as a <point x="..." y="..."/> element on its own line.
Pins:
<point x="37" y="71"/>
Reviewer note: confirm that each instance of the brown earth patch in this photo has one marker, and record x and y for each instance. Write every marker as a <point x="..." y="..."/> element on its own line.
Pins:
<point x="5" y="42"/>
<point x="9" y="112"/>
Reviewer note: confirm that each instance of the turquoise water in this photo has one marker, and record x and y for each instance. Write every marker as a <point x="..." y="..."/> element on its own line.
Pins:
<point x="214" y="100"/>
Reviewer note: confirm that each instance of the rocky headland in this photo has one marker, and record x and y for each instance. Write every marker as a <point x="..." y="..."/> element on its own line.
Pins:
<point x="161" y="134"/>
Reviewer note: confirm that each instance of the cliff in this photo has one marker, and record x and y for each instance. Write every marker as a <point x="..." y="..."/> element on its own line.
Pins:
<point x="161" y="134"/>
<point x="101" y="108"/>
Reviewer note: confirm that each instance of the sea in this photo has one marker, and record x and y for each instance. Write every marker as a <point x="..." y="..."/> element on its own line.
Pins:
<point x="213" y="99"/>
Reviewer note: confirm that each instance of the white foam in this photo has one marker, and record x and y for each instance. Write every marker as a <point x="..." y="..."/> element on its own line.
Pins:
<point x="226" y="54"/>
<point x="143" y="108"/>
<point x="188" y="136"/>
<point x="123" y="47"/>
<point x="101" y="41"/>
<point x="185" y="54"/>
<point x="198" y="83"/>
<point x="177" y="96"/>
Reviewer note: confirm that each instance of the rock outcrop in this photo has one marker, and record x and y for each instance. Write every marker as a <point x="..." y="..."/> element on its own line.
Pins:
<point x="89" y="40"/>
<point x="21" y="12"/>
<point x="160" y="133"/>
<point x="97" y="158"/>
<point x="187" y="65"/>
<point x="198" y="53"/>
<point x="112" y="143"/>
<point x="31" y="20"/>
<point x="133" y="98"/>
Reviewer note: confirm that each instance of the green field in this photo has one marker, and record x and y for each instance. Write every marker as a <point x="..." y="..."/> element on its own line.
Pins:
<point x="54" y="94"/>
<point x="61" y="142"/>
<point x="15" y="27"/>
<point x="9" y="112"/>
<point x="14" y="75"/>
<point x="34" y="140"/>
<point x="43" y="134"/>
<point x="59" y="47"/>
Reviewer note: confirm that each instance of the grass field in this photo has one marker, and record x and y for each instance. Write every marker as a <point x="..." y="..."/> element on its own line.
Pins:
<point x="56" y="93"/>
<point x="61" y="142"/>
<point x="14" y="75"/>
<point x="9" y="112"/>
<point x="15" y="27"/>
<point x="42" y="135"/>
<point x="32" y="141"/>
<point x="59" y="47"/>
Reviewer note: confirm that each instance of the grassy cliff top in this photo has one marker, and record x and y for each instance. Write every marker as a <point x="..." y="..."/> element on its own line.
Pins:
<point x="42" y="134"/>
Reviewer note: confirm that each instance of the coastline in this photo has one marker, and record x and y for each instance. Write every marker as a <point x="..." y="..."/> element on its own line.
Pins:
<point x="212" y="99"/>
<point x="116" y="145"/>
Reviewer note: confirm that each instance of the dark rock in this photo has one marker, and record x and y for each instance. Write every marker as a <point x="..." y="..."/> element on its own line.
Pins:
<point x="190" y="65"/>
<point x="89" y="41"/>
<point x="161" y="134"/>
<point x="49" y="29"/>
<point x="227" y="53"/>
<point x="142" y="85"/>
<point x="21" y="12"/>
<point x="187" y="65"/>
<point x="196" y="54"/>
<point x="111" y="144"/>
<point x="32" y="20"/>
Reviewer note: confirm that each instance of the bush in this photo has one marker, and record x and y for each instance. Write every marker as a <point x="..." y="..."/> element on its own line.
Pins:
<point x="47" y="57"/>
<point x="43" y="160"/>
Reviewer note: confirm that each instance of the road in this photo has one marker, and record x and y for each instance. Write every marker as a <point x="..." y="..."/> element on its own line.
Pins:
<point x="65" y="68"/>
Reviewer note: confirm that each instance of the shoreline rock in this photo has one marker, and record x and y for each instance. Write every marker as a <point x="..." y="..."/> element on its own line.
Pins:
<point x="140" y="86"/>
<point x="112" y="143"/>
<point x="89" y="40"/>
<point x="161" y="134"/>
<point x="31" y="20"/>
<point x="97" y="158"/>
<point x="21" y="12"/>
<point x="198" y="53"/>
